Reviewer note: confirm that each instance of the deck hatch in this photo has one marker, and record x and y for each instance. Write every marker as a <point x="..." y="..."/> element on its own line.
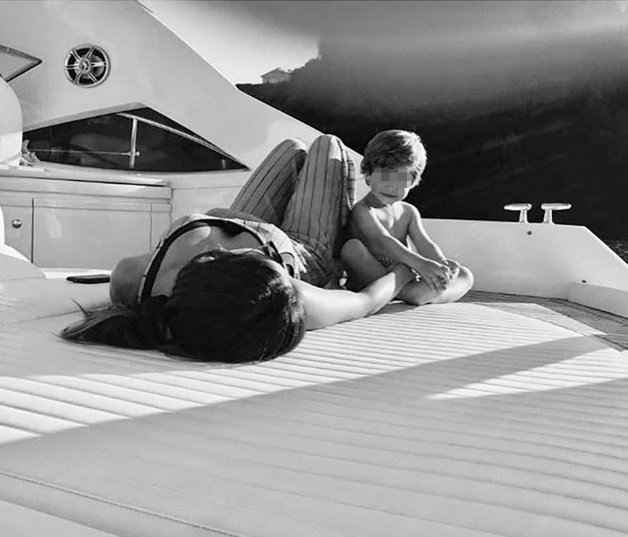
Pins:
<point x="14" y="63"/>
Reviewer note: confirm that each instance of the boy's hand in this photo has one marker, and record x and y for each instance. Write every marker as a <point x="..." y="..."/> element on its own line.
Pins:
<point x="454" y="267"/>
<point x="436" y="275"/>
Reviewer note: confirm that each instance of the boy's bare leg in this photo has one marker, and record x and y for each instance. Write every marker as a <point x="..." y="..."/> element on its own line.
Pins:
<point x="418" y="293"/>
<point x="361" y="267"/>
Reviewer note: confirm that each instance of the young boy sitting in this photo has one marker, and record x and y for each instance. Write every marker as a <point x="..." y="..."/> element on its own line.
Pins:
<point x="381" y="225"/>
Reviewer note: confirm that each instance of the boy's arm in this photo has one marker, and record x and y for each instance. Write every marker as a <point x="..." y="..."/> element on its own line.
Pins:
<point x="382" y="244"/>
<point x="425" y="245"/>
<point x="422" y="241"/>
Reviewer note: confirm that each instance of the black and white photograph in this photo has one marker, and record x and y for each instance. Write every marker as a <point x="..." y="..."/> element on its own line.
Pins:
<point x="317" y="268"/>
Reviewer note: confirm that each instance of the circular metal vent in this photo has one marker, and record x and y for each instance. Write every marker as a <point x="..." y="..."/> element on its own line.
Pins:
<point x="87" y="66"/>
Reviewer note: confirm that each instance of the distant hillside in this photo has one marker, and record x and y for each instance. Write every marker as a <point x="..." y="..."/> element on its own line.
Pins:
<point x="550" y="135"/>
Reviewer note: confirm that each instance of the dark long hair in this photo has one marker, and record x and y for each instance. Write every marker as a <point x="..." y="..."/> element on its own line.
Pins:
<point x="224" y="307"/>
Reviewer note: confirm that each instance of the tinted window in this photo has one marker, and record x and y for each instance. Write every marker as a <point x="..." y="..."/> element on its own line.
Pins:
<point x="162" y="150"/>
<point x="159" y="144"/>
<point x="150" y="115"/>
<point x="100" y="142"/>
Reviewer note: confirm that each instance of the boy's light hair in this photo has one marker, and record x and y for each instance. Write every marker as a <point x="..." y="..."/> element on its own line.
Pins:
<point x="395" y="148"/>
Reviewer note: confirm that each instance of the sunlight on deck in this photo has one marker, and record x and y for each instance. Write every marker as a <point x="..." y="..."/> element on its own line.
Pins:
<point x="586" y="369"/>
<point x="464" y="351"/>
<point x="462" y="419"/>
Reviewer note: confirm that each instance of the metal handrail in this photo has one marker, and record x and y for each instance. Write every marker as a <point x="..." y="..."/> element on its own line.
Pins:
<point x="172" y="130"/>
<point x="133" y="153"/>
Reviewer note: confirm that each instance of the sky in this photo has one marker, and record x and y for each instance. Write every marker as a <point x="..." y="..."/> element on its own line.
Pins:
<point x="240" y="44"/>
<point x="245" y="39"/>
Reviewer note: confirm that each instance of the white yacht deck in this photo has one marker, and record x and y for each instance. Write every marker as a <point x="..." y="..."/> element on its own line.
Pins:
<point x="499" y="415"/>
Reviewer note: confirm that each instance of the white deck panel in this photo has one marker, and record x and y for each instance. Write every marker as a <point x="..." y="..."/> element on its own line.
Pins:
<point x="462" y="420"/>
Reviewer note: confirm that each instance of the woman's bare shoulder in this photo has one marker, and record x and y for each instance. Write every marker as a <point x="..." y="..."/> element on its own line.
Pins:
<point x="126" y="277"/>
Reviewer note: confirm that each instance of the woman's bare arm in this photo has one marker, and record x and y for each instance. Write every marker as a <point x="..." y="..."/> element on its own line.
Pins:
<point x="325" y="307"/>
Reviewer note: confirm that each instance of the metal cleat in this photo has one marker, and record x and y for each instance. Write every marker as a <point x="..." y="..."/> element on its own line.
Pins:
<point x="550" y="207"/>
<point x="523" y="209"/>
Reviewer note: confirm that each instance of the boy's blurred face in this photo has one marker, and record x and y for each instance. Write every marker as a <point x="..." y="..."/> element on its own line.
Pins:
<point x="390" y="185"/>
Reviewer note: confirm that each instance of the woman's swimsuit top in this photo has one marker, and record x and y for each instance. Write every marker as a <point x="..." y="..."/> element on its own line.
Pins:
<point x="265" y="233"/>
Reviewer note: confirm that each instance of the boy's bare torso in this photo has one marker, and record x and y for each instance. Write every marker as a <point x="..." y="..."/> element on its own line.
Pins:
<point x="395" y="219"/>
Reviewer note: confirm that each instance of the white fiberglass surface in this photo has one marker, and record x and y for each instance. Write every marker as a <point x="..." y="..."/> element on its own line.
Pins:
<point x="529" y="258"/>
<point x="452" y="420"/>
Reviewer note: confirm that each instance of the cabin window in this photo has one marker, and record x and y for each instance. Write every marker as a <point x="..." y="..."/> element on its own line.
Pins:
<point x="138" y="140"/>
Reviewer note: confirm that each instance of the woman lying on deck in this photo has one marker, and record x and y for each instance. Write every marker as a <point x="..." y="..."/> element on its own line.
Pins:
<point x="243" y="284"/>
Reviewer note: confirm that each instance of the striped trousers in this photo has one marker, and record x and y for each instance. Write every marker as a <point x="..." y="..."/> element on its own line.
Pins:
<point x="307" y="193"/>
